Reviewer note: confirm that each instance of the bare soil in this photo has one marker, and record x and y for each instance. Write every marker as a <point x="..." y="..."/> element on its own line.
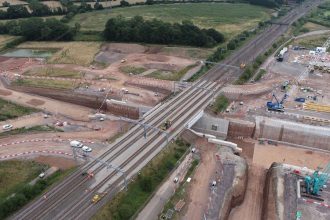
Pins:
<point x="198" y="192"/>
<point x="60" y="162"/>
<point x="252" y="205"/>
<point x="265" y="155"/>
<point x="5" y="92"/>
<point x="35" y="102"/>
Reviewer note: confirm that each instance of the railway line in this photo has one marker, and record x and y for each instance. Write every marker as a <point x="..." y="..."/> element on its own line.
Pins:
<point x="76" y="182"/>
<point x="258" y="45"/>
<point x="71" y="199"/>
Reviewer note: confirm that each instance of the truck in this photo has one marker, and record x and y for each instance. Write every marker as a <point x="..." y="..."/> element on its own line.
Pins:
<point x="280" y="56"/>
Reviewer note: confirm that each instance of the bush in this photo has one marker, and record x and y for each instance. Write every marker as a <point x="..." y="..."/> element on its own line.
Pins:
<point x="220" y="104"/>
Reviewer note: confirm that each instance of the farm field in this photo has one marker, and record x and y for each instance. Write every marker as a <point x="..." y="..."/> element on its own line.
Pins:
<point x="13" y="2"/>
<point x="227" y="18"/>
<point x="69" y="53"/>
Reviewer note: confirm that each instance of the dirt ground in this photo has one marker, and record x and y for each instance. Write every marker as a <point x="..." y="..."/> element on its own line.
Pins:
<point x="252" y="205"/>
<point x="265" y="155"/>
<point x="198" y="193"/>
<point x="60" y="162"/>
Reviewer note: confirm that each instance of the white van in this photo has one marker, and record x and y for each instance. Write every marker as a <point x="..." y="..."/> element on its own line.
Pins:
<point x="76" y="144"/>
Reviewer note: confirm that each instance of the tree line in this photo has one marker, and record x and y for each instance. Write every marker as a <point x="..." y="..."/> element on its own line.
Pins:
<point x="38" y="9"/>
<point x="156" y="31"/>
<point x="36" y="29"/>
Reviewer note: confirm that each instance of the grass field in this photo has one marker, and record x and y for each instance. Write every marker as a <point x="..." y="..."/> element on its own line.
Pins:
<point x="13" y="2"/>
<point x="4" y="39"/>
<point x="314" y="27"/>
<point x="132" y="69"/>
<point x="53" y="72"/>
<point x="15" y="173"/>
<point x="45" y="83"/>
<point x="167" y="75"/>
<point x="9" y="110"/>
<point x="312" y="41"/>
<point x="79" y="53"/>
<point x="227" y="18"/>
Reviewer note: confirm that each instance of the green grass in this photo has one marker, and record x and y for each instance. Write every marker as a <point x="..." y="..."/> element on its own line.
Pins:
<point x="9" y="110"/>
<point x="225" y="17"/>
<point x="31" y="130"/>
<point x="168" y="75"/>
<point x="132" y="69"/>
<point x="126" y="203"/>
<point x="45" y="83"/>
<point x="220" y="104"/>
<point x="15" y="174"/>
<point x="53" y="72"/>
<point x="312" y="41"/>
<point x="23" y="193"/>
<point x="180" y="193"/>
<point x="260" y="74"/>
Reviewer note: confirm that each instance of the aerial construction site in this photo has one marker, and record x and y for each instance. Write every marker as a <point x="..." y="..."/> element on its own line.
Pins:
<point x="92" y="128"/>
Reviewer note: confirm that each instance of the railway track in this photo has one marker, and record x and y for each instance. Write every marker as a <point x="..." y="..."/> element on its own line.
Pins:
<point x="259" y="44"/>
<point x="75" y="181"/>
<point x="68" y="199"/>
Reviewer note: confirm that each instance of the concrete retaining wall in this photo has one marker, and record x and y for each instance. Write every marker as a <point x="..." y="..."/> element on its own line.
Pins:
<point x="296" y="133"/>
<point x="240" y="128"/>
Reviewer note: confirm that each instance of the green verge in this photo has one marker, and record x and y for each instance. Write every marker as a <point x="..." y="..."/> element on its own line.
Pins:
<point x="180" y="193"/>
<point x="53" y="72"/>
<point x="251" y="69"/>
<point x="18" y="192"/>
<point x="45" y="83"/>
<point x="127" y="203"/>
<point x="224" y="51"/>
<point x="260" y="74"/>
<point x="168" y="75"/>
<point x="132" y="69"/>
<point x="9" y="110"/>
<point x="220" y="104"/>
<point x="31" y="130"/>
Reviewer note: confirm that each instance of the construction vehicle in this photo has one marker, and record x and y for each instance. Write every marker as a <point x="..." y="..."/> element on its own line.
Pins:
<point x="242" y="65"/>
<point x="278" y="105"/>
<point x="97" y="197"/>
<point x="315" y="182"/>
<point x="167" y="124"/>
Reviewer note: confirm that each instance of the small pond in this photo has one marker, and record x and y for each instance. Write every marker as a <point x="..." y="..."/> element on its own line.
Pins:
<point x="33" y="53"/>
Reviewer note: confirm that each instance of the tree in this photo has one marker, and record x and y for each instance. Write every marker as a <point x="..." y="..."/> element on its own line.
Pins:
<point x="17" y="11"/>
<point x="124" y="3"/>
<point x="5" y="4"/>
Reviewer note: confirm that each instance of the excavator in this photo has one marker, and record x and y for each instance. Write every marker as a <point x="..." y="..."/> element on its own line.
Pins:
<point x="167" y="124"/>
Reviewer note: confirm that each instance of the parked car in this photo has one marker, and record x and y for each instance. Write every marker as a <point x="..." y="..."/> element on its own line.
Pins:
<point x="86" y="149"/>
<point x="76" y="144"/>
<point x="7" y="127"/>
